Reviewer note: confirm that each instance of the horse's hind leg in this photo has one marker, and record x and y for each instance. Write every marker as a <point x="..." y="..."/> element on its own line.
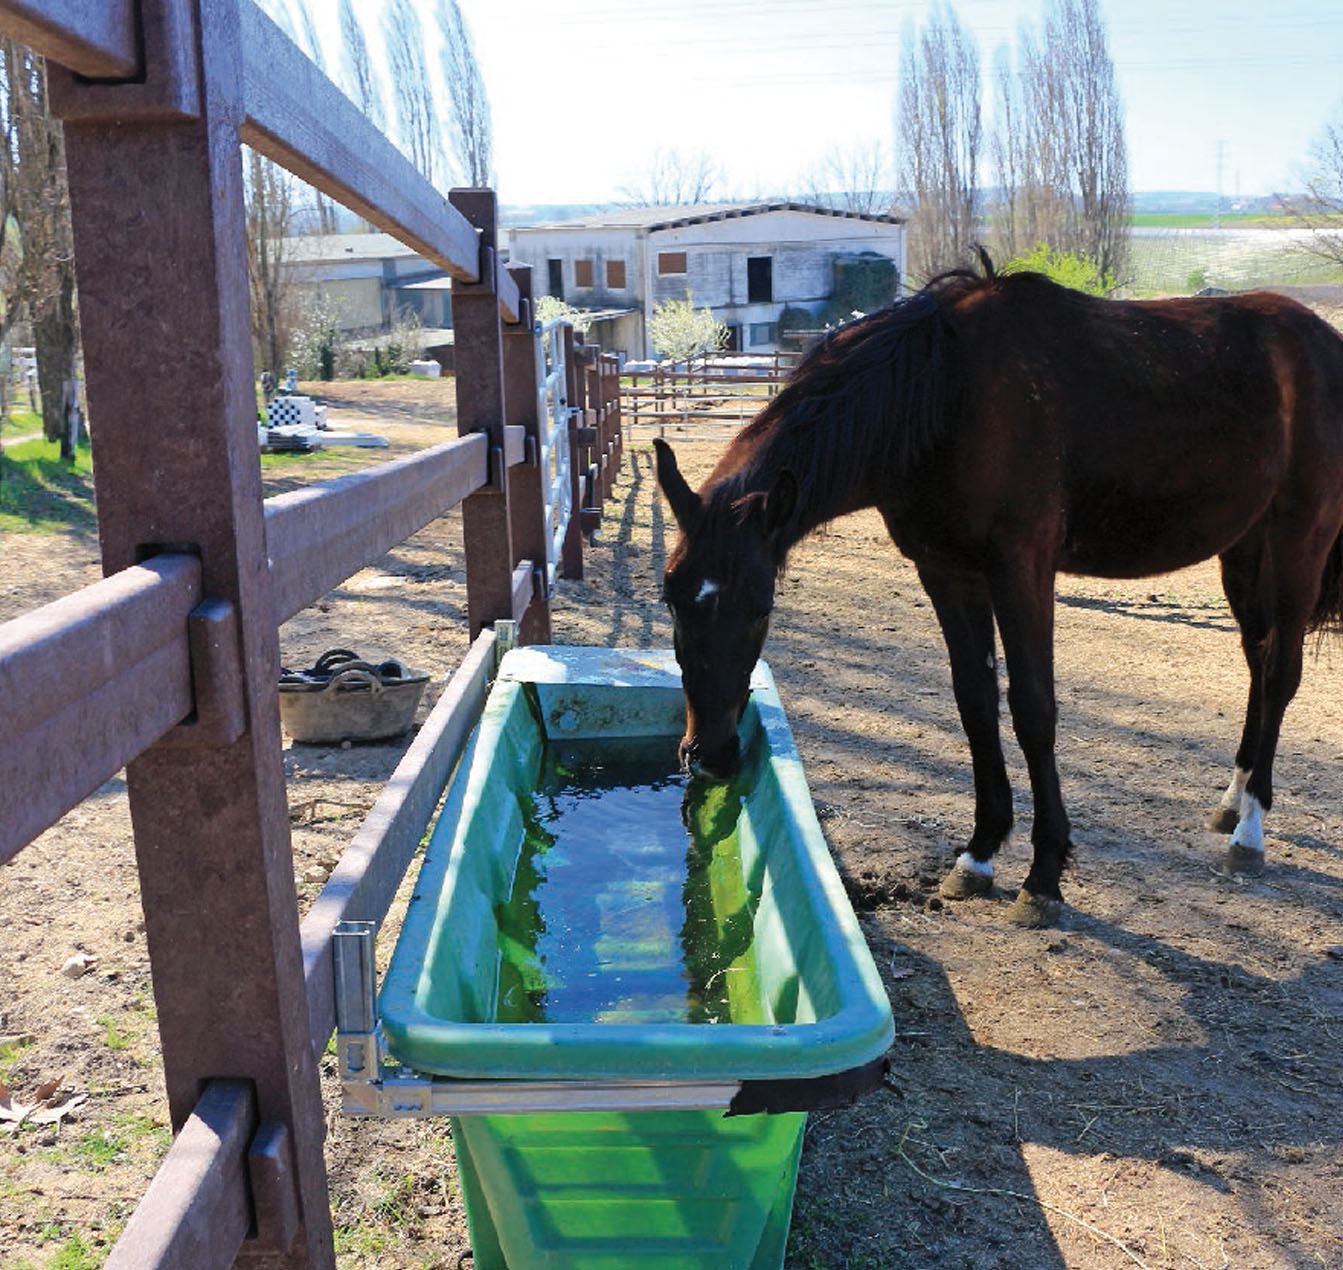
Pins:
<point x="966" y="617"/>
<point x="1241" y="573"/>
<point x="1296" y="561"/>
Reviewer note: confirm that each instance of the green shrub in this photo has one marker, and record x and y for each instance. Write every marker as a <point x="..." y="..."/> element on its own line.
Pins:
<point x="1066" y="268"/>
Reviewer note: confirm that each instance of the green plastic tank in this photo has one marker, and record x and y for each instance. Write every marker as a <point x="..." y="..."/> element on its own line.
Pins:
<point x="747" y="967"/>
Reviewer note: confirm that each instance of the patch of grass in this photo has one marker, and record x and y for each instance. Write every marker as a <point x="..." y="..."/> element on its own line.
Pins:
<point x="75" y="1254"/>
<point x="20" y="423"/>
<point x="41" y="494"/>
<point x="385" y="1220"/>
<point x="134" y="1126"/>
<point x="11" y="1059"/>
<point x="113" y="1037"/>
<point x="355" y="1239"/>
<point x="393" y="1206"/>
<point x="287" y="458"/>
<point x="95" y="1150"/>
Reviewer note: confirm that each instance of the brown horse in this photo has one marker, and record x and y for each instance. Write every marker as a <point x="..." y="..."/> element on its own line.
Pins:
<point x="1008" y="429"/>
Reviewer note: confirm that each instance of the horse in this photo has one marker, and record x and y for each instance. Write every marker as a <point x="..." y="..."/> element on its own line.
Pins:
<point x="1009" y="429"/>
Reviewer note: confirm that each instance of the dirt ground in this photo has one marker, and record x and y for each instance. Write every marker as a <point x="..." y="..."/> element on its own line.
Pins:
<point x="1155" y="1082"/>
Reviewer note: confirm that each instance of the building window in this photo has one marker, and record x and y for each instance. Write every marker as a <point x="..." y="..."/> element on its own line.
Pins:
<point x="615" y="275"/>
<point x="555" y="278"/>
<point x="582" y="273"/>
<point x="764" y="333"/>
<point x="671" y="262"/>
<point x="759" y="279"/>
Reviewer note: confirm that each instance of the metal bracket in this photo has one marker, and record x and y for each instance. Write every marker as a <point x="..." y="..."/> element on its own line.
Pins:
<point x="373" y="1087"/>
<point x="505" y="637"/>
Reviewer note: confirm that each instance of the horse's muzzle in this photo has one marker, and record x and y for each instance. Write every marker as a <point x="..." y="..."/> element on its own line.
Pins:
<point x="716" y="763"/>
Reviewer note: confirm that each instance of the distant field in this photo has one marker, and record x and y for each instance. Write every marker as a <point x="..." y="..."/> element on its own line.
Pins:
<point x="1171" y="258"/>
<point x="1206" y="220"/>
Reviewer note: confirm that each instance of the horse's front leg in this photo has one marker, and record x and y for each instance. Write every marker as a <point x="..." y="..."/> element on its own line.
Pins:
<point x="965" y="614"/>
<point x="1023" y="599"/>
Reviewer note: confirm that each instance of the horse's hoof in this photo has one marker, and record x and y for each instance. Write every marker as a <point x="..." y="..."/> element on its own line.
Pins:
<point x="1223" y="819"/>
<point x="965" y="884"/>
<point x="1244" y="860"/>
<point x="1032" y="911"/>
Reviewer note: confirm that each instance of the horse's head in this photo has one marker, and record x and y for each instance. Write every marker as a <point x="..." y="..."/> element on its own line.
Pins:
<point x="719" y="586"/>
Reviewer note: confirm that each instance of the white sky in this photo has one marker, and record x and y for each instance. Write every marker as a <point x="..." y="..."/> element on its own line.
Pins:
<point x="583" y="91"/>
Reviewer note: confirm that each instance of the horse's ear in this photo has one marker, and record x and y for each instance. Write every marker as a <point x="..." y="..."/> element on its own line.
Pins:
<point x="685" y="504"/>
<point x="780" y="502"/>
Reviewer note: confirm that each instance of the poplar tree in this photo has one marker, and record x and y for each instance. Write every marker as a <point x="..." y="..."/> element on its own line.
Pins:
<point x="938" y="134"/>
<point x="1058" y="145"/>
<point x="471" y="130"/>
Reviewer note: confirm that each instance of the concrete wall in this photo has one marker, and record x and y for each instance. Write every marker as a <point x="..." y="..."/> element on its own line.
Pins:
<point x="596" y="246"/>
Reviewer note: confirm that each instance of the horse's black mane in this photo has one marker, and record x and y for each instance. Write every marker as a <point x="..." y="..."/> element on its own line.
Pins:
<point x="872" y="392"/>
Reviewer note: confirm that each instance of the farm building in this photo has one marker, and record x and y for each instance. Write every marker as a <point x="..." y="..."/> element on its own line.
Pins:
<point x="370" y="281"/>
<point x="762" y="268"/>
<point x="370" y="278"/>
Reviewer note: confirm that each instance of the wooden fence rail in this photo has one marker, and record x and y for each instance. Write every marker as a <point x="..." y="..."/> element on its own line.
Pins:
<point x="170" y="666"/>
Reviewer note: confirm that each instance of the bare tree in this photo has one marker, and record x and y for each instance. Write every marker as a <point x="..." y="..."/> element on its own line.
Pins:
<point x="675" y="177"/>
<point x="858" y="179"/>
<point x="1091" y="121"/>
<point x="358" y="68"/>
<point x="304" y="34"/>
<point x="938" y="132"/>
<point x="471" y="130"/>
<point x="1320" y="208"/>
<point x="36" y="191"/>
<point x="1033" y="196"/>
<point x="1059" y="146"/>
<point x="412" y="93"/>
<point x="270" y="205"/>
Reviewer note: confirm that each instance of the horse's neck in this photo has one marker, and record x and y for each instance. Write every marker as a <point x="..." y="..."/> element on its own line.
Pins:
<point x="830" y="485"/>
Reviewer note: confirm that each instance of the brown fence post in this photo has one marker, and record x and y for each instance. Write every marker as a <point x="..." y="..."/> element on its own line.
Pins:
<point x="572" y="555"/>
<point x="156" y="192"/>
<point x="478" y="354"/>
<point x="526" y="493"/>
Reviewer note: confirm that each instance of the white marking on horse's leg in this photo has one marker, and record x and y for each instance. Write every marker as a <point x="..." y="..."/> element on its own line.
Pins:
<point x="1240" y="778"/>
<point x="708" y="588"/>
<point x="968" y="864"/>
<point x="1249" y="835"/>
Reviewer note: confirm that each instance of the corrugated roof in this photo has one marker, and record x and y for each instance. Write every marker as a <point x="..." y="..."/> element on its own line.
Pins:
<point x="670" y="217"/>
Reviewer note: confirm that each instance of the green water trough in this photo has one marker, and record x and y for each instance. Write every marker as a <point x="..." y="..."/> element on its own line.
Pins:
<point x="644" y="1134"/>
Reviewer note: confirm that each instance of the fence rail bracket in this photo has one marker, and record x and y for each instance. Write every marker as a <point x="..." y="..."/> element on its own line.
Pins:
<point x="220" y="717"/>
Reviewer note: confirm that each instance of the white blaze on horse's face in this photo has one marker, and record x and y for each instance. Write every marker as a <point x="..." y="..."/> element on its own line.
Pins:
<point x="719" y="621"/>
<point x="718" y="636"/>
<point x="719" y="586"/>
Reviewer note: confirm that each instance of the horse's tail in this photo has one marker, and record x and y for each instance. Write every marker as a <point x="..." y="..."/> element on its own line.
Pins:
<point x="1328" y="614"/>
